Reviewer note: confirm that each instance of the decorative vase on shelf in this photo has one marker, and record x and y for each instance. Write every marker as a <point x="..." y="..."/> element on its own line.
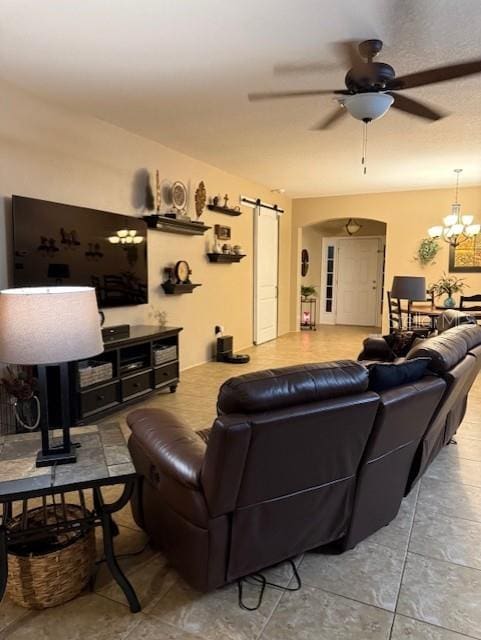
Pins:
<point x="27" y="412"/>
<point x="449" y="302"/>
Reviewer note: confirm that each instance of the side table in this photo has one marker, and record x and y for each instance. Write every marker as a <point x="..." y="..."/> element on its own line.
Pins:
<point x="103" y="460"/>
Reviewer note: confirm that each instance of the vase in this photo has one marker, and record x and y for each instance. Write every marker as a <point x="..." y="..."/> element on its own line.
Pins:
<point x="27" y="412"/>
<point x="449" y="302"/>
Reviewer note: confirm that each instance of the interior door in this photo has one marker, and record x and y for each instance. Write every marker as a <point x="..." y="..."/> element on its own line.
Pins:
<point x="266" y="244"/>
<point x="357" y="282"/>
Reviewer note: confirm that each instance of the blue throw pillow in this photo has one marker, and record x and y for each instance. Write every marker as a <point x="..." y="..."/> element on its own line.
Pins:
<point x="384" y="376"/>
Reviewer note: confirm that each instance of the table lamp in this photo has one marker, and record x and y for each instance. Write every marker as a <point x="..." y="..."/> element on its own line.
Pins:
<point x="412" y="288"/>
<point x="50" y="326"/>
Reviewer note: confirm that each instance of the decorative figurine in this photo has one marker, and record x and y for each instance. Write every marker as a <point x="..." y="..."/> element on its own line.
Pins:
<point x="200" y="198"/>
<point x="226" y="201"/>
<point x="158" y="199"/>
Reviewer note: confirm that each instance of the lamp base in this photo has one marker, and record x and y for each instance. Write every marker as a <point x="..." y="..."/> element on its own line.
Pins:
<point x="54" y="458"/>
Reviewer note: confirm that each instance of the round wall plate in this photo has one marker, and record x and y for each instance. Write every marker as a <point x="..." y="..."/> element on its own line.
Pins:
<point x="179" y="195"/>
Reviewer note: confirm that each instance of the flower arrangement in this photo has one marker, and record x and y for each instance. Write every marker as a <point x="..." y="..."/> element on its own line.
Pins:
<point x="448" y="285"/>
<point x="427" y="251"/>
<point x="159" y="316"/>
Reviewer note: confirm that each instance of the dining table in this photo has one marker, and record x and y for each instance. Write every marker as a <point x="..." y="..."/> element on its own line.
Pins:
<point x="433" y="312"/>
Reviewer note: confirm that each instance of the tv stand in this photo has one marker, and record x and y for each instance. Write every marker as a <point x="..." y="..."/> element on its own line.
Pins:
<point x="142" y="363"/>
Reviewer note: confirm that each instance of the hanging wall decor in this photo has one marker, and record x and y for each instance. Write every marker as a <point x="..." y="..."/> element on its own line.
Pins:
<point x="427" y="251"/>
<point x="304" y="262"/>
<point x="200" y="199"/>
<point x="466" y="257"/>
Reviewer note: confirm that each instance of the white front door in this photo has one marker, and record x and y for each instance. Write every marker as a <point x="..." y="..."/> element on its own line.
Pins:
<point x="266" y="241"/>
<point x="357" y="282"/>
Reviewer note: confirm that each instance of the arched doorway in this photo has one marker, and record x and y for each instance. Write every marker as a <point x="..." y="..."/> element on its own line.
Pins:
<point x="345" y="258"/>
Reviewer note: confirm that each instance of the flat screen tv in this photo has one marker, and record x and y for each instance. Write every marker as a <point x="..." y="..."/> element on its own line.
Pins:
<point x="59" y="244"/>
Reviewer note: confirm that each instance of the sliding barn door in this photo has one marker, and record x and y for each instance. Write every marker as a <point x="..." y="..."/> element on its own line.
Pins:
<point x="266" y="246"/>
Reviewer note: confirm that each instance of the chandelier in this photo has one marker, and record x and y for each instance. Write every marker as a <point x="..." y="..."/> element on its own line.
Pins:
<point x="456" y="228"/>
<point x="126" y="236"/>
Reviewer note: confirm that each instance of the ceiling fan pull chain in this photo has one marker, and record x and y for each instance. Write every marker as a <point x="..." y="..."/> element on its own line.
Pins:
<point x="364" y="148"/>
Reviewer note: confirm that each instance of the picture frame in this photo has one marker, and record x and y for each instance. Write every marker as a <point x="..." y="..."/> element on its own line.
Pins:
<point x="222" y="232"/>
<point x="466" y="257"/>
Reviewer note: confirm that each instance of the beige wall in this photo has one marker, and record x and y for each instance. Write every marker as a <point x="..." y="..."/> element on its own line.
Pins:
<point x="408" y="215"/>
<point x="49" y="153"/>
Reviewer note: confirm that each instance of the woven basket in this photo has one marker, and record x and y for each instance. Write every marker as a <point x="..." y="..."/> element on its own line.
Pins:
<point x="52" y="578"/>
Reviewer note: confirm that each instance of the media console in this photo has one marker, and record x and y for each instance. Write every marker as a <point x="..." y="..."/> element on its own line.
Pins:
<point x="129" y="369"/>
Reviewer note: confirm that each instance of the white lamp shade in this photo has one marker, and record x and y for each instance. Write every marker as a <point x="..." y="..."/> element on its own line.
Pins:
<point x="368" y="106"/>
<point x="473" y="230"/>
<point x="435" y="232"/>
<point x="47" y="325"/>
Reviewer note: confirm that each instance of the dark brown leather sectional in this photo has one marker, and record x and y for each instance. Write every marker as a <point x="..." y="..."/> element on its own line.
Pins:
<point x="297" y="458"/>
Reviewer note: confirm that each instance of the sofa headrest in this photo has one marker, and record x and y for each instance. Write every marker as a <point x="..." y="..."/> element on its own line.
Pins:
<point x="290" y="386"/>
<point x="452" y="318"/>
<point x="445" y="351"/>
<point x="471" y="333"/>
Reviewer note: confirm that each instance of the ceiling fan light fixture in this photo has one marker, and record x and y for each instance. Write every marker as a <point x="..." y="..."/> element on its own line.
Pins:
<point x="368" y="106"/>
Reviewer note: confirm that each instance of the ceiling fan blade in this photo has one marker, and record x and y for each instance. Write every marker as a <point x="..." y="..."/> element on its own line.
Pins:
<point x="289" y="94"/>
<point x="325" y="123"/>
<point x="414" y="107"/>
<point x="306" y="67"/>
<point x="437" y="74"/>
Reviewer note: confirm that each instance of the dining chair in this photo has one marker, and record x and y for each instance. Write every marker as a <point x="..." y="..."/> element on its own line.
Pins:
<point x="469" y="300"/>
<point x="419" y="322"/>
<point x="395" y="313"/>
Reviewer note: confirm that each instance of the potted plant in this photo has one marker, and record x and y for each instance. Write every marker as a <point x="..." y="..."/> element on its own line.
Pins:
<point x="448" y="285"/>
<point x="22" y="387"/>
<point x="307" y="292"/>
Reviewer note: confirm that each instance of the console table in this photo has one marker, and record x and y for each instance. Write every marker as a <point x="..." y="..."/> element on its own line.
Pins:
<point x="103" y="460"/>
<point x="135" y="374"/>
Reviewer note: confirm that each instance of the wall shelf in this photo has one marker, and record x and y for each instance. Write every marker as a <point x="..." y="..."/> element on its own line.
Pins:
<point x="172" y="225"/>
<point x="225" y="257"/>
<point x="228" y="212"/>
<point x="171" y="288"/>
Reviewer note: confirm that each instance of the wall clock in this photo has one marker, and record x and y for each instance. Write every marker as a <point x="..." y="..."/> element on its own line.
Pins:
<point x="182" y="272"/>
<point x="304" y="262"/>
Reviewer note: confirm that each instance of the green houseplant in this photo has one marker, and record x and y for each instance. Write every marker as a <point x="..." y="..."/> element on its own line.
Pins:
<point x="307" y="292"/>
<point x="427" y="251"/>
<point x="448" y="285"/>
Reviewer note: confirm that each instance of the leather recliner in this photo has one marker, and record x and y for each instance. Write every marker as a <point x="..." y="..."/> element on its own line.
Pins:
<point x="455" y="356"/>
<point x="276" y="478"/>
<point x="402" y="418"/>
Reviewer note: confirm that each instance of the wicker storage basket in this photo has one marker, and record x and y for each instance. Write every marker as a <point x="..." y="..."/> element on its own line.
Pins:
<point x="52" y="578"/>
<point x="164" y="354"/>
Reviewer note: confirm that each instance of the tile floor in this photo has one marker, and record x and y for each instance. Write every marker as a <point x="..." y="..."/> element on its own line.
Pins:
<point x="418" y="578"/>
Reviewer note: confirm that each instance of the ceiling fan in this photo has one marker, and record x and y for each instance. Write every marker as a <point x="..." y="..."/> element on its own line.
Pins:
<point x="372" y="87"/>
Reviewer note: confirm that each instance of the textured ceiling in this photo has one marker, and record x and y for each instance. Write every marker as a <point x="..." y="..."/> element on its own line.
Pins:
<point x="178" y="71"/>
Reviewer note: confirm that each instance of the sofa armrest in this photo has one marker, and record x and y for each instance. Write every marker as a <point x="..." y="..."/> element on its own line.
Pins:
<point x="375" y="348"/>
<point x="169" y="445"/>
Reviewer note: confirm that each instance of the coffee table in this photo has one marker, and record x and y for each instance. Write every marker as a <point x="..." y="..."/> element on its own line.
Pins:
<point x="103" y="460"/>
